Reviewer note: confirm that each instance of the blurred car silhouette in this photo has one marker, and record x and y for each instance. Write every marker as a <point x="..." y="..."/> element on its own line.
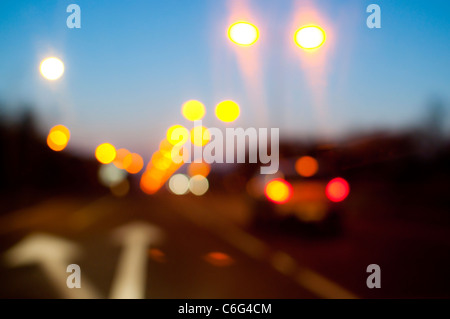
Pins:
<point x="308" y="197"/>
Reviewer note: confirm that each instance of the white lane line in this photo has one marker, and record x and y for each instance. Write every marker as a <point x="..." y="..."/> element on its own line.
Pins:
<point x="284" y="263"/>
<point x="322" y="286"/>
<point x="130" y="278"/>
<point x="53" y="255"/>
<point x="248" y="244"/>
<point x="254" y="247"/>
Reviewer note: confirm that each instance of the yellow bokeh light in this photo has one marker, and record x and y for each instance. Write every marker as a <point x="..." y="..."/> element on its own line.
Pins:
<point x="58" y="137"/>
<point x="62" y="129"/>
<point x="105" y="153"/>
<point x="177" y="134"/>
<point x="278" y="191"/>
<point x="200" y="136"/>
<point x="53" y="146"/>
<point x="51" y="68"/>
<point x="306" y="166"/>
<point x="227" y="111"/>
<point x="193" y="110"/>
<point x="243" y="33"/>
<point x="160" y="161"/>
<point x="310" y="37"/>
<point x="166" y="148"/>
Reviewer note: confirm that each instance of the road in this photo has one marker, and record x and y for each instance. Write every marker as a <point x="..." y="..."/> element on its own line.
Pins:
<point x="188" y="247"/>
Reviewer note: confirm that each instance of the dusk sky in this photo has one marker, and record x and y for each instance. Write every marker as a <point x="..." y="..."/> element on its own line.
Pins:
<point x="132" y="64"/>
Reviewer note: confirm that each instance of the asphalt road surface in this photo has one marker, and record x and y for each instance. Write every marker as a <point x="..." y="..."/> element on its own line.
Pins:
<point x="188" y="247"/>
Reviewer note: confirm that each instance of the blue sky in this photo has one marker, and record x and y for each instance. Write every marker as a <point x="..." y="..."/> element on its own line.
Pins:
<point x="133" y="63"/>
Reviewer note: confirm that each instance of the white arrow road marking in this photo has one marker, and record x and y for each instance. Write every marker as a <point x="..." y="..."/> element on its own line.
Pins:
<point x="129" y="280"/>
<point x="53" y="254"/>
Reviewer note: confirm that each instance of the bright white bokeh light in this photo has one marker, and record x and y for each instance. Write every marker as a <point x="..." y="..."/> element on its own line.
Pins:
<point x="243" y="33"/>
<point x="52" y="68"/>
<point x="110" y="176"/>
<point x="179" y="184"/>
<point x="310" y="37"/>
<point x="198" y="185"/>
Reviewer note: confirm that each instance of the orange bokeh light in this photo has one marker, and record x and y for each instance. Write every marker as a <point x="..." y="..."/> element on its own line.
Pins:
<point x="306" y="166"/>
<point x="157" y="255"/>
<point x="337" y="189"/>
<point x="278" y="191"/>
<point x="58" y="138"/>
<point x="202" y="169"/>
<point x="166" y="148"/>
<point x="160" y="161"/>
<point x="218" y="259"/>
<point x="133" y="163"/>
<point x="150" y="183"/>
<point x="120" y="156"/>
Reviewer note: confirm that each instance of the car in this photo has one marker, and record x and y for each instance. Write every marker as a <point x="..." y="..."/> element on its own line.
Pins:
<point x="298" y="197"/>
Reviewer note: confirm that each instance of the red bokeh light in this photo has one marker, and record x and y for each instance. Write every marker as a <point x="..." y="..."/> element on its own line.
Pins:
<point x="337" y="189"/>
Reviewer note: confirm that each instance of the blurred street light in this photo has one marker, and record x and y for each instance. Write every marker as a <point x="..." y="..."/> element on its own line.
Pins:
<point x="51" y="68"/>
<point x="227" y="111"/>
<point x="105" y="153"/>
<point x="243" y="33"/>
<point x="58" y="138"/>
<point x="310" y="37"/>
<point x="193" y="110"/>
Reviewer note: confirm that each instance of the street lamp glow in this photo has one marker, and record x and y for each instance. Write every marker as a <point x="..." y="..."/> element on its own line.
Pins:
<point x="52" y="68"/>
<point x="243" y="33"/>
<point x="310" y="37"/>
<point x="193" y="110"/>
<point x="227" y="111"/>
<point x="105" y="153"/>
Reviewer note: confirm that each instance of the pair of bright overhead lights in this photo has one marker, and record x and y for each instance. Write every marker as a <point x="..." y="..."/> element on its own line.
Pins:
<point x="308" y="37"/>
